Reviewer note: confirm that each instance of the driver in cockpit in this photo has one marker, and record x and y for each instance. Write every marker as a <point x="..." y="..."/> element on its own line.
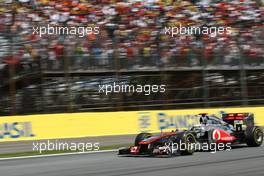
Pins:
<point x="204" y="118"/>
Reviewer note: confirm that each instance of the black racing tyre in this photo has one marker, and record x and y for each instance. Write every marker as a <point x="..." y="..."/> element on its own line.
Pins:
<point x="141" y="137"/>
<point x="190" y="140"/>
<point x="254" y="136"/>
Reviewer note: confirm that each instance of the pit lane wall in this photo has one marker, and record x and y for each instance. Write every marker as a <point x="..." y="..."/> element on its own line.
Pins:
<point x="76" y="125"/>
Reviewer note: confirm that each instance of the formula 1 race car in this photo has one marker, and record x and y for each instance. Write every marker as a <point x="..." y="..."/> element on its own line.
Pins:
<point x="233" y="128"/>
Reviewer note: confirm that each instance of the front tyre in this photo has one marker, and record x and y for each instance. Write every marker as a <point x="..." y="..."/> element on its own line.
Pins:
<point x="190" y="141"/>
<point x="254" y="136"/>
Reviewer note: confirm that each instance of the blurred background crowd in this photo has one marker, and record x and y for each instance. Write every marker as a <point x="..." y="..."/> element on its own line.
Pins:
<point x="131" y="38"/>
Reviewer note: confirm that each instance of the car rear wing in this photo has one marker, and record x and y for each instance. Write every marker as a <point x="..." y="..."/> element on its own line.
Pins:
<point x="247" y="118"/>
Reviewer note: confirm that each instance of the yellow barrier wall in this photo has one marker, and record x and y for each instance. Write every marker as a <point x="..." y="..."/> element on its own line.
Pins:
<point x="55" y="126"/>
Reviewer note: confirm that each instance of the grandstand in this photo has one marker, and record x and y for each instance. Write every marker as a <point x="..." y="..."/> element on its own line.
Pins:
<point x="61" y="73"/>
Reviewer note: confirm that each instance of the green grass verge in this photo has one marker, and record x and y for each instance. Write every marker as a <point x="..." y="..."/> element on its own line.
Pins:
<point x="33" y="153"/>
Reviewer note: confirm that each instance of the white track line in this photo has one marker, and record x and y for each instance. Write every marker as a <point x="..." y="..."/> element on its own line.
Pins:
<point x="58" y="154"/>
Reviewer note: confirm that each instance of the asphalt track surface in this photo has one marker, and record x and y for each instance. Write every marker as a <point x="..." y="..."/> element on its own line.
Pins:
<point x="242" y="161"/>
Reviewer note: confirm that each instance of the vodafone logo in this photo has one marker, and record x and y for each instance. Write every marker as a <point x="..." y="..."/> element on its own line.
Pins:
<point x="222" y="136"/>
<point x="216" y="135"/>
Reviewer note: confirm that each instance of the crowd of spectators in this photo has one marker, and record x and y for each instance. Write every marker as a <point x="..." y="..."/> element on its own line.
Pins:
<point x="131" y="36"/>
<point x="131" y="33"/>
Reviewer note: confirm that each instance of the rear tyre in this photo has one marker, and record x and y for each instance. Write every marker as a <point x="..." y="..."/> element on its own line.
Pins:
<point x="141" y="137"/>
<point x="254" y="136"/>
<point x="190" y="141"/>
